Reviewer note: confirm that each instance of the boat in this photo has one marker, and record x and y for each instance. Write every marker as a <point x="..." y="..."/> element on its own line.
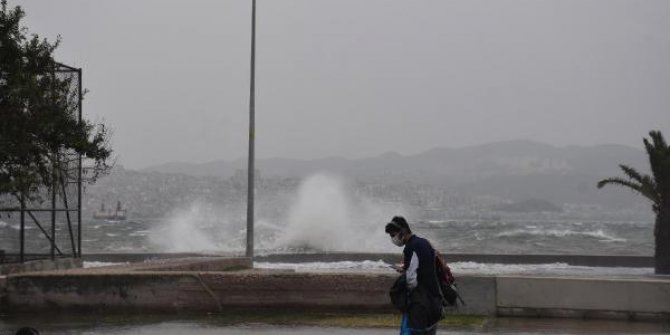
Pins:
<point x="108" y="214"/>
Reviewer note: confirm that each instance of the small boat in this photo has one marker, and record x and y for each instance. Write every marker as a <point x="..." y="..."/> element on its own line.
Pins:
<point x="108" y="214"/>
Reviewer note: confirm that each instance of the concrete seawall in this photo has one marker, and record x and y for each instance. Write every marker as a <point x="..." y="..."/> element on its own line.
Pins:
<point x="580" y="297"/>
<point x="208" y="285"/>
<point x="204" y="292"/>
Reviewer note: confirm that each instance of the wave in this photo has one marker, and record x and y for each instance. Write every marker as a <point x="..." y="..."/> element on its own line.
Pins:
<point x="95" y="264"/>
<point x="122" y="249"/>
<point x="460" y="268"/>
<point x="596" y="234"/>
<point x="18" y="227"/>
<point x="139" y="233"/>
<point x="325" y="266"/>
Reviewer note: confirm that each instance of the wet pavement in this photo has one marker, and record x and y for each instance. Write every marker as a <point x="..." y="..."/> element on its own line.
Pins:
<point x="208" y="326"/>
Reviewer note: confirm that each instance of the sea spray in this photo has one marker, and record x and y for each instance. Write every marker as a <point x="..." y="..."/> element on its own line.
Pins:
<point x="196" y="228"/>
<point x="322" y="214"/>
<point x="327" y="216"/>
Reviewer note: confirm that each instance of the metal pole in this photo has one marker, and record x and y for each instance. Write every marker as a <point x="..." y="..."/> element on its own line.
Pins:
<point x="37" y="223"/>
<point x="79" y="176"/>
<point x="53" y="172"/>
<point x="23" y="227"/>
<point x="53" y="213"/>
<point x="250" y="171"/>
<point x="67" y="215"/>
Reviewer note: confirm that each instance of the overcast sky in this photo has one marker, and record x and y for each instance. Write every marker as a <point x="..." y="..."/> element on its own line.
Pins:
<point x="357" y="78"/>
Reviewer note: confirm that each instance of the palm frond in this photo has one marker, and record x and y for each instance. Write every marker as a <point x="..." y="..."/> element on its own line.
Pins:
<point x="659" y="158"/>
<point x="620" y="182"/>
<point x="658" y="139"/>
<point x="637" y="187"/>
<point x="647" y="184"/>
<point x="631" y="173"/>
<point x="650" y="189"/>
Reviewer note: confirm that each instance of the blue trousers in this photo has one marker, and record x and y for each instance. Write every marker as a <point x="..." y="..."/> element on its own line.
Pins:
<point x="406" y="330"/>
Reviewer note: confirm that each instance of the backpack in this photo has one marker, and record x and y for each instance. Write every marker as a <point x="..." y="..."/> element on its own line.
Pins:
<point x="446" y="282"/>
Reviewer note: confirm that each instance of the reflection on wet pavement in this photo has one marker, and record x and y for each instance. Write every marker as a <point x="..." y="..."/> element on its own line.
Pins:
<point x="208" y="326"/>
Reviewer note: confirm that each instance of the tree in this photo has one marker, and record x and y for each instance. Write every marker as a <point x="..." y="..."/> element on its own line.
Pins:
<point x="39" y="123"/>
<point x="656" y="188"/>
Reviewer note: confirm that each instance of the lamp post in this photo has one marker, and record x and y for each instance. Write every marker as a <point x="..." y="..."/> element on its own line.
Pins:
<point x="252" y="107"/>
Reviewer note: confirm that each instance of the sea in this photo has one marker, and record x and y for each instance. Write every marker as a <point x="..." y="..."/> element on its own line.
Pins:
<point x="555" y="237"/>
<point x="324" y="215"/>
<point x="513" y="237"/>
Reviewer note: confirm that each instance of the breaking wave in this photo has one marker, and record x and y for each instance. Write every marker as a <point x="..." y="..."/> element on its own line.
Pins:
<point x="594" y="234"/>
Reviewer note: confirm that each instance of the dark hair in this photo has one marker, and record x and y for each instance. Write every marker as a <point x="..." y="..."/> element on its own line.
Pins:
<point x="397" y="225"/>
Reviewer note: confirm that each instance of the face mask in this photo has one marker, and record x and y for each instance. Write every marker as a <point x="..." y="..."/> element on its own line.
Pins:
<point x="396" y="240"/>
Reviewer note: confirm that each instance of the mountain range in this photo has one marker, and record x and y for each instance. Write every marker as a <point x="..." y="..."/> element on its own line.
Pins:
<point x="440" y="165"/>
<point x="513" y="170"/>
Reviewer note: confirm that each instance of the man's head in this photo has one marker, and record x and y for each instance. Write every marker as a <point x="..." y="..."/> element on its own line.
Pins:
<point x="399" y="230"/>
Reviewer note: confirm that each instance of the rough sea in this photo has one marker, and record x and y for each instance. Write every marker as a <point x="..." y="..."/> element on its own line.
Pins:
<point x="539" y="237"/>
<point x="450" y="236"/>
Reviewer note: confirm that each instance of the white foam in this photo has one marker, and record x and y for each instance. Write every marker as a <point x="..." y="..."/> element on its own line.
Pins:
<point x="129" y="249"/>
<point x="461" y="268"/>
<point x="597" y="234"/>
<point x="18" y="226"/>
<point x="359" y="266"/>
<point x="139" y="233"/>
<point x="94" y="264"/>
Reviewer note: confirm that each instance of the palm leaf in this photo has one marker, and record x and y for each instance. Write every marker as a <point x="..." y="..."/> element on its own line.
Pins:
<point x="650" y="189"/>
<point x="631" y="173"/>
<point x="637" y="187"/>
<point x="647" y="184"/>
<point x="659" y="159"/>
<point x="658" y="139"/>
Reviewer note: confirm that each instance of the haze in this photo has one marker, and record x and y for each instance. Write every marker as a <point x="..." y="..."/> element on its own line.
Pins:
<point x="358" y="78"/>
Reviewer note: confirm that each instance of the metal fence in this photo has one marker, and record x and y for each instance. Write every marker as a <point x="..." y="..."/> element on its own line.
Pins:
<point x="50" y="226"/>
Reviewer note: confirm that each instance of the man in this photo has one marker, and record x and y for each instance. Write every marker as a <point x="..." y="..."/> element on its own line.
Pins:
<point x="424" y="309"/>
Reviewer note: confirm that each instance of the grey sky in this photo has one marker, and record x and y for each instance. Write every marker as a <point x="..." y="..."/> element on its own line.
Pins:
<point x="356" y="78"/>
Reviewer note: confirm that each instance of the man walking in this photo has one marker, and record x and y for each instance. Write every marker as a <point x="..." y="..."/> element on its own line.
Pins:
<point x="425" y="303"/>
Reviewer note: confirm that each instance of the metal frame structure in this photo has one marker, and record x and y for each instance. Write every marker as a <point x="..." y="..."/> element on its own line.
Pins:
<point x="72" y="176"/>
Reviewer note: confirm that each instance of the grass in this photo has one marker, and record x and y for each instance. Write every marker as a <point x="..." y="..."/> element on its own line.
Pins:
<point x="289" y="317"/>
<point x="336" y="319"/>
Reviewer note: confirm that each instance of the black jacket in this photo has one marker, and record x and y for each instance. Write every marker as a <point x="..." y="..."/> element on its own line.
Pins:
<point x="399" y="294"/>
<point x="419" y="264"/>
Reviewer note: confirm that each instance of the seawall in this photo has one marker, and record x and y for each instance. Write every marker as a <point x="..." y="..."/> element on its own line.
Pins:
<point x="218" y="284"/>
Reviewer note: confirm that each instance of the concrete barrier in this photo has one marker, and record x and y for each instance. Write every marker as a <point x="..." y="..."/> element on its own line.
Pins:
<point x="41" y="265"/>
<point x="164" y="287"/>
<point x="192" y="291"/>
<point x="479" y="294"/>
<point x="578" y="297"/>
